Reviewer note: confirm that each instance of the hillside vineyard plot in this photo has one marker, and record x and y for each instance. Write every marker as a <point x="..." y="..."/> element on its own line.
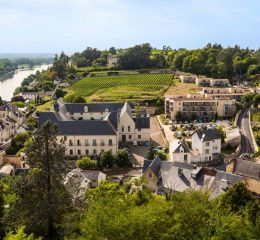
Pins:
<point x="113" y="88"/>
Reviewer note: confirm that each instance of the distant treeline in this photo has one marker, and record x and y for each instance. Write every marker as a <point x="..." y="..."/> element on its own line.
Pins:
<point x="212" y="60"/>
<point x="7" y="65"/>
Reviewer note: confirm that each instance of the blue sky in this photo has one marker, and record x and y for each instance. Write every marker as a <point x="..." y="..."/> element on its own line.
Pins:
<point x="50" y="26"/>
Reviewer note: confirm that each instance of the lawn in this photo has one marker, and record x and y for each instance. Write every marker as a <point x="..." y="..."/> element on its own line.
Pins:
<point x="44" y="107"/>
<point x="182" y="88"/>
<point x="126" y="87"/>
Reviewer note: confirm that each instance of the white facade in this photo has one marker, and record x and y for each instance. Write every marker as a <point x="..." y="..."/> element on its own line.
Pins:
<point x="206" y="149"/>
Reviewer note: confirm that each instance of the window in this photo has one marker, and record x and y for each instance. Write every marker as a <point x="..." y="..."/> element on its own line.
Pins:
<point x="207" y="144"/>
<point x="110" y="142"/>
<point x="130" y="136"/>
<point x="129" y="128"/>
<point x="86" y="142"/>
<point x="94" y="142"/>
<point x="150" y="175"/>
<point x="215" y="148"/>
<point x="78" y="142"/>
<point x="123" y="129"/>
<point x="139" y="136"/>
<point x="94" y="151"/>
<point x="185" y="157"/>
<point x="87" y="152"/>
<point x="79" y="152"/>
<point x="70" y="143"/>
<point x="102" y="143"/>
<point x="139" y="129"/>
<point x="207" y="151"/>
<point x="71" y="152"/>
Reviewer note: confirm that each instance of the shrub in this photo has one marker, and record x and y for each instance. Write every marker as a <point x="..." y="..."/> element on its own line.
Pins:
<point x="122" y="158"/>
<point x="106" y="160"/>
<point x="19" y="104"/>
<point x="86" y="163"/>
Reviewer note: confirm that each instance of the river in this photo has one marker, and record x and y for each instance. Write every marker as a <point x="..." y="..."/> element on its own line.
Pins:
<point x="8" y="85"/>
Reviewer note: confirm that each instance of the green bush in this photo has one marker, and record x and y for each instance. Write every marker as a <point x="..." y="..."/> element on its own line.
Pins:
<point x="86" y="163"/>
<point x="19" y="104"/>
<point x="122" y="158"/>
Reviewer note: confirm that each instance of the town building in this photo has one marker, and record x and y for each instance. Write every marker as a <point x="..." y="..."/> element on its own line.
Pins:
<point x="92" y="128"/>
<point x="188" y="78"/>
<point x="112" y="60"/>
<point x="207" y="143"/>
<point x="164" y="176"/>
<point x="205" y="148"/>
<point x="197" y="107"/>
<point x="229" y="92"/>
<point x="78" y="181"/>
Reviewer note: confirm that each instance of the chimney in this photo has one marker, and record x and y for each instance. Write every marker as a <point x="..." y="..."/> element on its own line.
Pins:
<point x="180" y="172"/>
<point x="223" y="184"/>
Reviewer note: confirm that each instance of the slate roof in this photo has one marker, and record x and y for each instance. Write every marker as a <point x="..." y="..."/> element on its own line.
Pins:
<point x="247" y="168"/>
<point x="183" y="145"/>
<point x="154" y="165"/>
<point x="142" y="122"/>
<point x="170" y="178"/>
<point x="94" y="107"/>
<point x="78" y="127"/>
<point x="216" y="188"/>
<point x="208" y="135"/>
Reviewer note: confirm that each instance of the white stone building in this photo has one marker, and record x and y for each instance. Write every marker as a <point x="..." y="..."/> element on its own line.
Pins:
<point x="92" y="128"/>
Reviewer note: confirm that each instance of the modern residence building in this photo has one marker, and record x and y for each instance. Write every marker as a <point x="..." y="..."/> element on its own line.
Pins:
<point x="199" y="107"/>
<point x="92" y="128"/>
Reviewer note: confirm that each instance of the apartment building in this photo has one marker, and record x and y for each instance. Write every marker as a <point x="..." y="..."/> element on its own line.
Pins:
<point x="230" y="92"/>
<point x="199" y="107"/>
<point x="211" y="82"/>
<point x="90" y="129"/>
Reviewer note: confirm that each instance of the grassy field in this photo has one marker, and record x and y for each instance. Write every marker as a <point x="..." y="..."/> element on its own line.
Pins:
<point x="44" y="107"/>
<point x="182" y="88"/>
<point x="126" y="87"/>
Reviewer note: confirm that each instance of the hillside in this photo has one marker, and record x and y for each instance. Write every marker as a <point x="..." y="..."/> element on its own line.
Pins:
<point x="117" y="88"/>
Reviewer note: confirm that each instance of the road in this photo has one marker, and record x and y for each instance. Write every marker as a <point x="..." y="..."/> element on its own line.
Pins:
<point x="246" y="136"/>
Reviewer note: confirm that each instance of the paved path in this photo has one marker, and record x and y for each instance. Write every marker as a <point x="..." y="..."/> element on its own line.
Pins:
<point x="156" y="133"/>
<point x="247" y="143"/>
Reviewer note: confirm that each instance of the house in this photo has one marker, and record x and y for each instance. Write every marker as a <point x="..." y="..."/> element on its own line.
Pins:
<point x="207" y="143"/>
<point x="179" y="151"/>
<point x="163" y="176"/>
<point x="29" y="95"/>
<point x="251" y="172"/>
<point x="188" y="78"/>
<point x="92" y="128"/>
<point x="199" y="107"/>
<point x="78" y="181"/>
<point x="112" y="60"/>
<point x="6" y="170"/>
<point x="233" y="137"/>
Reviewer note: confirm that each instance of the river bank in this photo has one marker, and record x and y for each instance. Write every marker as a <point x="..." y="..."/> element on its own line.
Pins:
<point x="9" y="84"/>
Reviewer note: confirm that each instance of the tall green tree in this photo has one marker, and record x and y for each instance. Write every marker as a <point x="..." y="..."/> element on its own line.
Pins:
<point x="41" y="196"/>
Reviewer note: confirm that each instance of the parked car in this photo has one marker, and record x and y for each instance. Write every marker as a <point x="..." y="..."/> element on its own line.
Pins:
<point x="147" y="143"/>
<point x="135" y="143"/>
<point x="140" y="143"/>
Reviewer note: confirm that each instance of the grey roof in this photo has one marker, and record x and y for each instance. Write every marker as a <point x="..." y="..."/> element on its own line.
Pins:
<point x="247" y="168"/>
<point x="183" y="145"/>
<point x="216" y="188"/>
<point x="208" y="135"/>
<point x="78" y="127"/>
<point x="94" y="107"/>
<point x="155" y="165"/>
<point x="142" y="122"/>
<point x="170" y="178"/>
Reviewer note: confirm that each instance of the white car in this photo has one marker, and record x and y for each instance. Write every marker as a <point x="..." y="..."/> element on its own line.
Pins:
<point x="135" y="143"/>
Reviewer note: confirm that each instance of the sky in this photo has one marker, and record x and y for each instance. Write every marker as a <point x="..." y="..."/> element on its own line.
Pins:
<point x="52" y="26"/>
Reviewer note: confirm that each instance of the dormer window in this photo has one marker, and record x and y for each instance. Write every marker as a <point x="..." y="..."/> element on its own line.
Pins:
<point x="106" y="110"/>
<point x="86" y="109"/>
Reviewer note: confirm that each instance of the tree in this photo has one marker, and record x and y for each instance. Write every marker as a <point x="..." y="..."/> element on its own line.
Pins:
<point x="150" y="153"/>
<point x="20" y="235"/>
<point x="122" y="158"/>
<point x="86" y="163"/>
<point x="1" y="102"/>
<point x="41" y="196"/>
<point x="18" y="142"/>
<point x="178" y="116"/>
<point x="256" y="100"/>
<point x="78" y="99"/>
<point x="106" y="160"/>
